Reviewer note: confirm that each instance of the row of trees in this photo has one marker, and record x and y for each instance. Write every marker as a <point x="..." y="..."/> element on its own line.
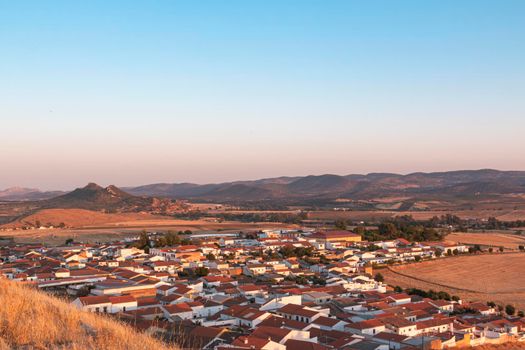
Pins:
<point x="509" y="309"/>
<point x="169" y="239"/>
<point x="442" y="295"/>
<point x="400" y="227"/>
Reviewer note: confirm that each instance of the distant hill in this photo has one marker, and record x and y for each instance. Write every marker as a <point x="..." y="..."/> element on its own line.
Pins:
<point x="26" y="194"/>
<point x="420" y="186"/>
<point x="95" y="197"/>
<point x="92" y="197"/>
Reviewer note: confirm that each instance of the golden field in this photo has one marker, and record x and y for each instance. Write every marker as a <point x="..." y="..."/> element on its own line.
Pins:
<point x="500" y="214"/>
<point x="90" y="226"/>
<point x="496" y="239"/>
<point x="494" y="277"/>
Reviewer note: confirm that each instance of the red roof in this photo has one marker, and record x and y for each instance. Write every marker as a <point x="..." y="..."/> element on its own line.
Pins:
<point x="93" y="300"/>
<point x="373" y="323"/>
<point x="273" y="333"/>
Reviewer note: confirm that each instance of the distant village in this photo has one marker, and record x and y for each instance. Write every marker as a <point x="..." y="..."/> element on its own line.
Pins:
<point x="269" y="290"/>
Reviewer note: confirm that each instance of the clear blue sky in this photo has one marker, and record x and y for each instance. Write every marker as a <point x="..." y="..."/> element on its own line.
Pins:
<point x="134" y="92"/>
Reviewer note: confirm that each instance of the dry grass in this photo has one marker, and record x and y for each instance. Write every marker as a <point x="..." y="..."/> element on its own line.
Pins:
<point x="506" y="240"/>
<point x="489" y="277"/>
<point x="500" y="214"/>
<point x="33" y="320"/>
<point x="80" y="218"/>
<point x="111" y="232"/>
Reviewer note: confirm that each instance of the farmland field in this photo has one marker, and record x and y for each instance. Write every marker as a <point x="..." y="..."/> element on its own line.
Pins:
<point x="486" y="277"/>
<point x="121" y="230"/>
<point x="506" y="240"/>
<point x="500" y="214"/>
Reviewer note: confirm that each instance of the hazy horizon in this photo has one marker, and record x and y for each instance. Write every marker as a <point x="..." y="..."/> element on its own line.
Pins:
<point x="105" y="184"/>
<point x="170" y="91"/>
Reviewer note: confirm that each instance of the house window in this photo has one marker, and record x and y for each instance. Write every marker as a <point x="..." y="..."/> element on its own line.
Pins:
<point x="105" y="309"/>
<point x="124" y="308"/>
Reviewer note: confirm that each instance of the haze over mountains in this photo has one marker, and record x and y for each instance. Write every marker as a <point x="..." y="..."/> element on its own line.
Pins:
<point x="92" y="198"/>
<point x="439" y="185"/>
<point x="26" y="194"/>
<point x="485" y="190"/>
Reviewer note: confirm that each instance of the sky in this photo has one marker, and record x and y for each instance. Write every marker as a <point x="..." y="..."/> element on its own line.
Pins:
<point x="136" y="92"/>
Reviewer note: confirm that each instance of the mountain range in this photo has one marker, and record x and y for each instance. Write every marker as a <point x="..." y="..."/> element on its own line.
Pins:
<point x="438" y="185"/>
<point x="451" y="185"/>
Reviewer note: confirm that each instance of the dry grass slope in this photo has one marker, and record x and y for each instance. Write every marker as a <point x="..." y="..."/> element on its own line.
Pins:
<point x="33" y="320"/>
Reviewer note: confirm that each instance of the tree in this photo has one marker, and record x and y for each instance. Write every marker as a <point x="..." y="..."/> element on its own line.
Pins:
<point x="210" y="256"/>
<point x="61" y="225"/>
<point x="417" y="258"/>
<point x="69" y="241"/>
<point x="510" y="310"/>
<point x="318" y="280"/>
<point x="171" y="238"/>
<point x="360" y="230"/>
<point x="491" y="304"/>
<point x="287" y="251"/>
<point x="491" y="250"/>
<point x="439" y="252"/>
<point x="501" y="249"/>
<point x="455" y="252"/>
<point x="388" y="229"/>
<point x="379" y="277"/>
<point x="398" y="289"/>
<point x="521" y="313"/>
<point x="143" y="241"/>
<point x="521" y="248"/>
<point x="340" y="224"/>
<point x="201" y="271"/>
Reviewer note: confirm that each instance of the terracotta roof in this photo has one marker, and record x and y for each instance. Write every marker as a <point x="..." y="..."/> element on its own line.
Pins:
<point x="373" y="323"/>
<point x="93" y="300"/>
<point x="293" y="344"/>
<point x="122" y="299"/>
<point x="326" y="321"/>
<point x="273" y="333"/>
<point x="433" y="323"/>
<point x="250" y="342"/>
<point x="177" y="308"/>
<point x="299" y="310"/>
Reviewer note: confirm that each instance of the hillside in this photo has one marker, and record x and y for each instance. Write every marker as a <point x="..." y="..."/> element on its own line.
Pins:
<point x="468" y="185"/>
<point x="93" y="198"/>
<point x="31" y="319"/>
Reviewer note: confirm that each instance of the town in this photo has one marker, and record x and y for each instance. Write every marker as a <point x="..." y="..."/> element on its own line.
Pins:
<point x="268" y="289"/>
